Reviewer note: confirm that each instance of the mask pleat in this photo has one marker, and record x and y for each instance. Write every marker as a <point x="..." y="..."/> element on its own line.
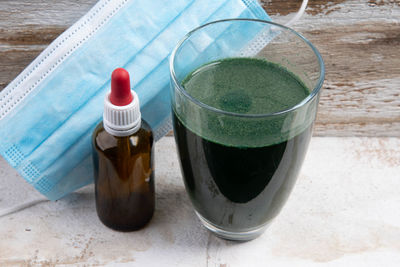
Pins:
<point x="81" y="121"/>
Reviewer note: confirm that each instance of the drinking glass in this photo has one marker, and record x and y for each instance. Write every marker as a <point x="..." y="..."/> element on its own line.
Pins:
<point x="240" y="168"/>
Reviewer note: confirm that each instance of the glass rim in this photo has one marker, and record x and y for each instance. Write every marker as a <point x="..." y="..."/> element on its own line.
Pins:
<point x="307" y="99"/>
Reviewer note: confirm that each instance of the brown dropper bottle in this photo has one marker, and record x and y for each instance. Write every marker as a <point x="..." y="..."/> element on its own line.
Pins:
<point x="123" y="160"/>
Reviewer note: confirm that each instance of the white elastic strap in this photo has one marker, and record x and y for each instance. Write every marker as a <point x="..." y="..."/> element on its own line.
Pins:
<point x="299" y="14"/>
<point x="22" y="206"/>
<point x="264" y="37"/>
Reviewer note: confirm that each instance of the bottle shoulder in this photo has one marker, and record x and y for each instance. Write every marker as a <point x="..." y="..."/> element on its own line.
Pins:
<point x="146" y="129"/>
<point x="102" y="140"/>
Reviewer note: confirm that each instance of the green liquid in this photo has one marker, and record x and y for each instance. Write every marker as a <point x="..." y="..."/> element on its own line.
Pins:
<point x="245" y="85"/>
<point x="239" y="187"/>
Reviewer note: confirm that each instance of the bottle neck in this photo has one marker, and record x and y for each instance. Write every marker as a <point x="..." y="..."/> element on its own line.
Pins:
<point x="122" y="120"/>
<point x="121" y="133"/>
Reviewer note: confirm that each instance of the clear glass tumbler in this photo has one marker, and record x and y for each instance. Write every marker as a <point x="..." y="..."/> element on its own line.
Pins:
<point x="240" y="167"/>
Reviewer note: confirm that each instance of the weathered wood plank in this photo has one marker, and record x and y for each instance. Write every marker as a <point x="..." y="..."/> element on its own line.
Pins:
<point x="359" y="41"/>
<point x="27" y="27"/>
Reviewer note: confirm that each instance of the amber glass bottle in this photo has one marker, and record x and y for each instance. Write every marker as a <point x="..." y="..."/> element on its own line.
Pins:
<point x="123" y="161"/>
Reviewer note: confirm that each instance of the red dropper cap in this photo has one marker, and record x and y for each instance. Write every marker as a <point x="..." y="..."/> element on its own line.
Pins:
<point x="121" y="94"/>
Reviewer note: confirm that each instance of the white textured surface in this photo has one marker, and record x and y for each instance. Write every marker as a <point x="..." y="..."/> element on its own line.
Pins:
<point x="344" y="211"/>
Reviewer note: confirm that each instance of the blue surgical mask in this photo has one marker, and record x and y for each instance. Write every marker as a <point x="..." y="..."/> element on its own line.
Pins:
<point x="48" y="113"/>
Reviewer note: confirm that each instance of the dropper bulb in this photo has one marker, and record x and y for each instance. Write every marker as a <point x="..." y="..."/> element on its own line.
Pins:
<point x="121" y="94"/>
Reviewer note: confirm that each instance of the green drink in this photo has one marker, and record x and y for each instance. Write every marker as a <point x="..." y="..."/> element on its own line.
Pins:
<point x="245" y="85"/>
<point x="244" y="182"/>
<point x="244" y="99"/>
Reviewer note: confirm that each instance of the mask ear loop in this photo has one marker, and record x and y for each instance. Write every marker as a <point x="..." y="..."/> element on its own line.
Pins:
<point x="298" y="14"/>
<point x="22" y="206"/>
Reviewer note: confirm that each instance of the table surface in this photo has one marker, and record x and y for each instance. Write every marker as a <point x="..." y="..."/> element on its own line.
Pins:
<point x="344" y="211"/>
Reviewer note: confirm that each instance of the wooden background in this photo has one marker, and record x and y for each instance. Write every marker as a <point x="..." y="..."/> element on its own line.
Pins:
<point x="359" y="41"/>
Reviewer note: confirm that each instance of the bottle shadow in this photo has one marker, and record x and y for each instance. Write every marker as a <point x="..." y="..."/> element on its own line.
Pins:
<point x="175" y="218"/>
